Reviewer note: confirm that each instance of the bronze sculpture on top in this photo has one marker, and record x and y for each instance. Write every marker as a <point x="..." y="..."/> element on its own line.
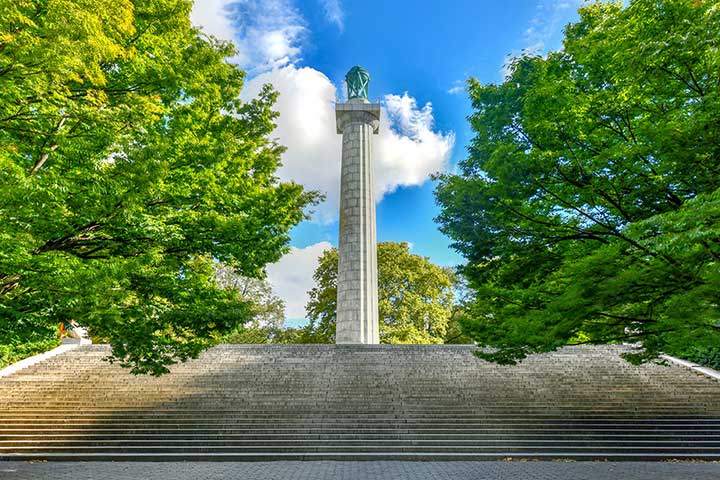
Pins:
<point x="357" y="80"/>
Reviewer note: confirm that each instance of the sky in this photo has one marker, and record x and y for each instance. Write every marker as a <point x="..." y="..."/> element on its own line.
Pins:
<point x="419" y="55"/>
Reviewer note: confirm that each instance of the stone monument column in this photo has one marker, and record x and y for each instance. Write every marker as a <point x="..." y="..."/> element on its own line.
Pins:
<point x="357" y="299"/>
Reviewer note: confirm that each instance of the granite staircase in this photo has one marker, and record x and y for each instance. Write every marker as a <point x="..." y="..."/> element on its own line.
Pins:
<point x="359" y="402"/>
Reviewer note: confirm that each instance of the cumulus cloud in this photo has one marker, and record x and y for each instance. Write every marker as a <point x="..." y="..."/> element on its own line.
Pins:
<point x="334" y="12"/>
<point x="214" y="19"/>
<point x="266" y="33"/>
<point x="407" y="149"/>
<point x="291" y="277"/>
<point x="306" y="126"/>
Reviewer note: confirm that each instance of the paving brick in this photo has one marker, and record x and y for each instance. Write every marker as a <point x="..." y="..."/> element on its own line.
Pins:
<point x="360" y="471"/>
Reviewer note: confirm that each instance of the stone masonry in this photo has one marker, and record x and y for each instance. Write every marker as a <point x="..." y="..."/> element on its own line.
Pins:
<point x="357" y="301"/>
<point x="359" y="402"/>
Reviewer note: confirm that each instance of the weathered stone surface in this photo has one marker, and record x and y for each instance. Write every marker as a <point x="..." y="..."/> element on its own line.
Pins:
<point x="359" y="402"/>
<point x="357" y="309"/>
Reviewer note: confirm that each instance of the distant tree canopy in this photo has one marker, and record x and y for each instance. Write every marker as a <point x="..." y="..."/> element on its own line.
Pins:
<point x="415" y="298"/>
<point x="588" y="208"/>
<point x="128" y="168"/>
<point x="267" y="310"/>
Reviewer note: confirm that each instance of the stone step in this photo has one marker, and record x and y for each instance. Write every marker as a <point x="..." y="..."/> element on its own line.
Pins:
<point x="357" y="403"/>
<point x="317" y="410"/>
<point x="356" y="417"/>
<point x="673" y="431"/>
<point x="520" y="435"/>
<point x="310" y="456"/>
<point x="597" y="450"/>
<point x="310" y="432"/>
<point x="381" y="409"/>
<point x="335" y="428"/>
<point x="351" y="419"/>
<point x="311" y="443"/>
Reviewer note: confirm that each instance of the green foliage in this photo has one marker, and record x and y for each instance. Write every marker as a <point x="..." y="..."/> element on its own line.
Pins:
<point x="268" y="310"/>
<point x="264" y="334"/>
<point x="128" y="168"/>
<point x="588" y="208"/>
<point x="707" y="357"/>
<point x="415" y="298"/>
<point x="250" y="332"/>
<point x="10" y="354"/>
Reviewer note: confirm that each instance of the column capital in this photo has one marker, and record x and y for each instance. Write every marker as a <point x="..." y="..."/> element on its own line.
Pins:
<point x="355" y="112"/>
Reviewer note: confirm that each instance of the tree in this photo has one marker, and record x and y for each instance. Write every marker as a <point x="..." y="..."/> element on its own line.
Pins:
<point x="128" y="168"/>
<point x="268" y="309"/>
<point x="588" y="209"/>
<point x="415" y="297"/>
<point x="461" y="305"/>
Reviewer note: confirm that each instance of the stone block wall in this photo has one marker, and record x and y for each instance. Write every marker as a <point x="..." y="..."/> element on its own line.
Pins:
<point x="357" y="301"/>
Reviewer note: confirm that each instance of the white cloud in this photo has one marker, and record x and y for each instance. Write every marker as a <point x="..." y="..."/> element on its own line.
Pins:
<point x="458" y="86"/>
<point x="407" y="149"/>
<point x="334" y="12"/>
<point x="291" y="277"/>
<point x="214" y="19"/>
<point x="306" y="126"/>
<point x="266" y="33"/>
<point x="550" y="17"/>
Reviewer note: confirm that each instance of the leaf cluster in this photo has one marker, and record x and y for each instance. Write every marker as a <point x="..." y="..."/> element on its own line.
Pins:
<point x="415" y="298"/>
<point x="587" y="208"/>
<point x="128" y="169"/>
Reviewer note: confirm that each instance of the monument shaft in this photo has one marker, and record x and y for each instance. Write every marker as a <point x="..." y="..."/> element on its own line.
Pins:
<point x="357" y="300"/>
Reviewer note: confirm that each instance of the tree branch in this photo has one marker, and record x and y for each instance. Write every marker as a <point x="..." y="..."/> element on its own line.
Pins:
<point x="53" y="146"/>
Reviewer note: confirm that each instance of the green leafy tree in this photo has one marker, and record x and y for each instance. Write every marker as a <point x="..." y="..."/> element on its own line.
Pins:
<point x="268" y="308"/>
<point x="128" y="168"/>
<point x="415" y="298"/>
<point x="461" y="306"/>
<point x="588" y="208"/>
<point x="255" y="333"/>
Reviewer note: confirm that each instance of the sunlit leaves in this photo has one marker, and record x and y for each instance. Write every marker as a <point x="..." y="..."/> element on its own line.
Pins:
<point x="587" y="208"/>
<point x="415" y="297"/>
<point x="129" y="167"/>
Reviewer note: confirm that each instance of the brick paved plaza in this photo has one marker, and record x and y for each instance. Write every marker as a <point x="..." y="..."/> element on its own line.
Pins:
<point x="360" y="471"/>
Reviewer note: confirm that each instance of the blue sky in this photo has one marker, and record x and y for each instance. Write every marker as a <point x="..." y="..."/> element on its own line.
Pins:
<point x="419" y="55"/>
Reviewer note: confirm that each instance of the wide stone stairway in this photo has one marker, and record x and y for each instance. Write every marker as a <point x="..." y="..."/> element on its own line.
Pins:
<point x="359" y="402"/>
